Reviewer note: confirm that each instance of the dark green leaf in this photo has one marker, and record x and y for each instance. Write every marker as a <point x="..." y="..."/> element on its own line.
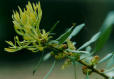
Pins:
<point x="64" y="36"/>
<point x="70" y="33"/>
<point x="54" y="26"/>
<point x="105" y="31"/>
<point x="110" y="62"/>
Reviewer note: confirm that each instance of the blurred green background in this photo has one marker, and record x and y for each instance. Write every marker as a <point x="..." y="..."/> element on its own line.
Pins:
<point x="21" y="64"/>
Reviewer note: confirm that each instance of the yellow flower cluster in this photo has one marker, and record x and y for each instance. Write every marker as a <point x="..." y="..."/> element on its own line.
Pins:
<point x="27" y="21"/>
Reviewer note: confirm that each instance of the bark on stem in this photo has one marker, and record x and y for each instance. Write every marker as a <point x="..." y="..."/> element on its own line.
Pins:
<point x="93" y="69"/>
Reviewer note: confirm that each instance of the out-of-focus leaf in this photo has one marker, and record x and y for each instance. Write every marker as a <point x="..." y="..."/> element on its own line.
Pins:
<point x="105" y="31"/>
<point x="111" y="78"/>
<point x="88" y="48"/>
<point x="76" y="30"/>
<point x="92" y="40"/>
<point x="109" y="70"/>
<point x="46" y="57"/>
<point x="83" y="56"/>
<point x="110" y="75"/>
<point x="74" y="43"/>
<point x="64" y="36"/>
<point x="106" y="58"/>
<point x="75" y="51"/>
<point x="51" y="69"/>
<point x="38" y="64"/>
<point x="110" y="62"/>
<point x="54" y="26"/>
<point x="88" y="59"/>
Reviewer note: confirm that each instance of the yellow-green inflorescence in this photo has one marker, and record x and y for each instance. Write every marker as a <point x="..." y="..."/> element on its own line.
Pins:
<point x="26" y="24"/>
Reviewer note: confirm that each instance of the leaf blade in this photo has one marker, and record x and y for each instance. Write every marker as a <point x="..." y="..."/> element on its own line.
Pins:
<point x="76" y="30"/>
<point x="92" y="40"/>
<point x="105" y="31"/>
<point x="105" y="58"/>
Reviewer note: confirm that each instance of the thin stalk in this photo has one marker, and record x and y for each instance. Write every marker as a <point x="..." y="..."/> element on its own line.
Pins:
<point x="51" y="69"/>
<point x="74" y="65"/>
<point x="37" y="66"/>
<point x="87" y="77"/>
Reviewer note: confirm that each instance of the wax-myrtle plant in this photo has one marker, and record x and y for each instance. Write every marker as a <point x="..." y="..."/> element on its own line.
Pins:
<point x="27" y="24"/>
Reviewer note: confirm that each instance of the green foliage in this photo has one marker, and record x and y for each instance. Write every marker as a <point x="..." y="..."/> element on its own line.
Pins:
<point x="105" y="31"/>
<point x="27" y="24"/>
<point x="64" y="36"/>
<point x="106" y="58"/>
<point x="70" y="33"/>
<point x="53" y="27"/>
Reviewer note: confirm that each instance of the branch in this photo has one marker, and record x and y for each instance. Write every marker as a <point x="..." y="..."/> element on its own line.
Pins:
<point x="93" y="69"/>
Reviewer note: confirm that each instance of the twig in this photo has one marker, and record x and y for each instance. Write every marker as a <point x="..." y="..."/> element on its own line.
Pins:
<point x="93" y="69"/>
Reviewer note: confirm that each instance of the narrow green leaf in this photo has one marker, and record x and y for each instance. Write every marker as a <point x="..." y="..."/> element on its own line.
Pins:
<point x="17" y="40"/>
<point x="53" y="42"/>
<point x="51" y="69"/>
<point x="10" y="43"/>
<point x="109" y="70"/>
<point x="64" y="36"/>
<point x="92" y="40"/>
<point x="88" y="48"/>
<point x="76" y="51"/>
<point x="105" y="31"/>
<point x="110" y="62"/>
<point x="39" y="12"/>
<point x="46" y="57"/>
<point x="39" y="18"/>
<point x="54" y="26"/>
<point x="84" y="56"/>
<point x="106" y="58"/>
<point x="76" y="30"/>
<point x="111" y="78"/>
<point x="37" y="66"/>
<point x="102" y="40"/>
<point x="70" y="33"/>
